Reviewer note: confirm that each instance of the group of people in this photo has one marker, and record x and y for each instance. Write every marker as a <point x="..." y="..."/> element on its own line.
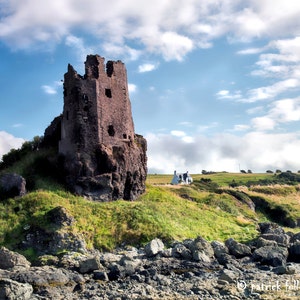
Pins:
<point x="184" y="178"/>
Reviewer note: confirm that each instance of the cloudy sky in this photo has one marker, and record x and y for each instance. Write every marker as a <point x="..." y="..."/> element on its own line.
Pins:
<point x="214" y="84"/>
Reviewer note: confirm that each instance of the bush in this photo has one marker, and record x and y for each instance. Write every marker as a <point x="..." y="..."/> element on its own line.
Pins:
<point x="15" y="155"/>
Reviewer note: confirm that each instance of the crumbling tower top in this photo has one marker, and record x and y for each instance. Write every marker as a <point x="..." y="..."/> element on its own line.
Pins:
<point x="97" y="108"/>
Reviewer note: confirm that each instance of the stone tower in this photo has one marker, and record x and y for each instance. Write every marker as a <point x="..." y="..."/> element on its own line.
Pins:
<point x="104" y="158"/>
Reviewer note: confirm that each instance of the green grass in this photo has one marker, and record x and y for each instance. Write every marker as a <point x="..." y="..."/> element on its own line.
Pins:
<point x="158" y="213"/>
<point x="222" y="178"/>
<point x="168" y="212"/>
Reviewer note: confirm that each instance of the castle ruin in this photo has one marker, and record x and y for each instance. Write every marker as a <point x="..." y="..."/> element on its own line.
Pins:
<point x="103" y="157"/>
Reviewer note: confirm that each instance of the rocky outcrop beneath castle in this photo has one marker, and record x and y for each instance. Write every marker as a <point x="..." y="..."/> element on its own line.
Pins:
<point x="192" y="269"/>
<point x="112" y="172"/>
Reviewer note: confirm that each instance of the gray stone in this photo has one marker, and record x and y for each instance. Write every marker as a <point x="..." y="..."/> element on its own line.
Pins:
<point x="90" y="264"/>
<point x="60" y="217"/>
<point x="107" y="259"/>
<point x="12" y="290"/>
<point x="41" y="277"/>
<point x="131" y="265"/>
<point x="154" y="247"/>
<point x="228" y="275"/>
<point x="237" y="249"/>
<point x="219" y="248"/>
<point x="261" y="242"/>
<point x="100" y="275"/>
<point x="10" y="259"/>
<point x="201" y="256"/>
<point x="12" y="185"/>
<point x="273" y="256"/>
<point x="201" y="245"/>
<point x="281" y="239"/>
<point x="280" y="270"/>
<point x="180" y="251"/>
<point x="294" y="251"/>
<point x="272" y="228"/>
<point x="167" y="252"/>
<point x="59" y="237"/>
<point x="295" y="237"/>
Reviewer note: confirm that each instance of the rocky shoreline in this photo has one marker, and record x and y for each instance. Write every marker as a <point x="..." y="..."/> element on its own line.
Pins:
<point x="267" y="268"/>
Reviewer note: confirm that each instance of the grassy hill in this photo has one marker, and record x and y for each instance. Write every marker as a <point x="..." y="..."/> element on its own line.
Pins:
<point x="208" y="207"/>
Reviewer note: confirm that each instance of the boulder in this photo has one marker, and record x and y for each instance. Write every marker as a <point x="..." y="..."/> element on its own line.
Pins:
<point x="229" y="276"/>
<point x="115" y="272"/>
<point x="295" y="237"/>
<point x="270" y="255"/>
<point x="180" y="251"/>
<point x="12" y="185"/>
<point x="60" y="217"/>
<point x="270" y="228"/>
<point x="10" y="260"/>
<point x="41" y="277"/>
<point x="219" y="248"/>
<point x="261" y="242"/>
<point x="130" y="265"/>
<point x="237" y="249"/>
<point x="13" y="290"/>
<point x="281" y="239"/>
<point x="154" y="247"/>
<point x="89" y="264"/>
<point x="100" y="275"/>
<point x="201" y="250"/>
<point x="58" y="237"/>
<point x="294" y="251"/>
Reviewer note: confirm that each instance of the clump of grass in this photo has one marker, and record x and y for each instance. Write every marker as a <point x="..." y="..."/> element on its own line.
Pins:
<point x="279" y="190"/>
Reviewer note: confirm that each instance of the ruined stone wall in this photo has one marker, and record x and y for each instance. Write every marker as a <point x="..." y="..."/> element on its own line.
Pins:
<point x="104" y="158"/>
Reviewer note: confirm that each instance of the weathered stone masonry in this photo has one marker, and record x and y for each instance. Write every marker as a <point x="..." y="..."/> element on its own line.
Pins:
<point x="104" y="159"/>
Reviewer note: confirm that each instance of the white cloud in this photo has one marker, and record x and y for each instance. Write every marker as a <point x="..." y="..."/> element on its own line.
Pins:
<point x="8" y="141"/>
<point x="250" y="51"/>
<point x="202" y="128"/>
<point x="286" y="110"/>
<point x="117" y="50"/>
<point x="49" y="89"/>
<point x="17" y="125"/>
<point x="271" y="91"/>
<point x="178" y="133"/>
<point x="169" y="28"/>
<point x="263" y="123"/>
<point x="255" y="110"/>
<point x="241" y="127"/>
<point x="278" y="113"/>
<point x="172" y="45"/>
<point x="225" y="94"/>
<point x="186" y="123"/>
<point x="132" y="88"/>
<point x="257" y="151"/>
<point x="77" y="44"/>
<point x="52" y="89"/>
<point x="147" y="68"/>
<point x="282" y="59"/>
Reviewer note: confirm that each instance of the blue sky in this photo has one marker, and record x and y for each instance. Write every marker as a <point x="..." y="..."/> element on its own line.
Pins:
<point x="214" y="85"/>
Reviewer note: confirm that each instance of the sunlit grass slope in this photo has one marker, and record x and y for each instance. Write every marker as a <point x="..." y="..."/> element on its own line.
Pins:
<point x="158" y="213"/>
<point x="168" y="212"/>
